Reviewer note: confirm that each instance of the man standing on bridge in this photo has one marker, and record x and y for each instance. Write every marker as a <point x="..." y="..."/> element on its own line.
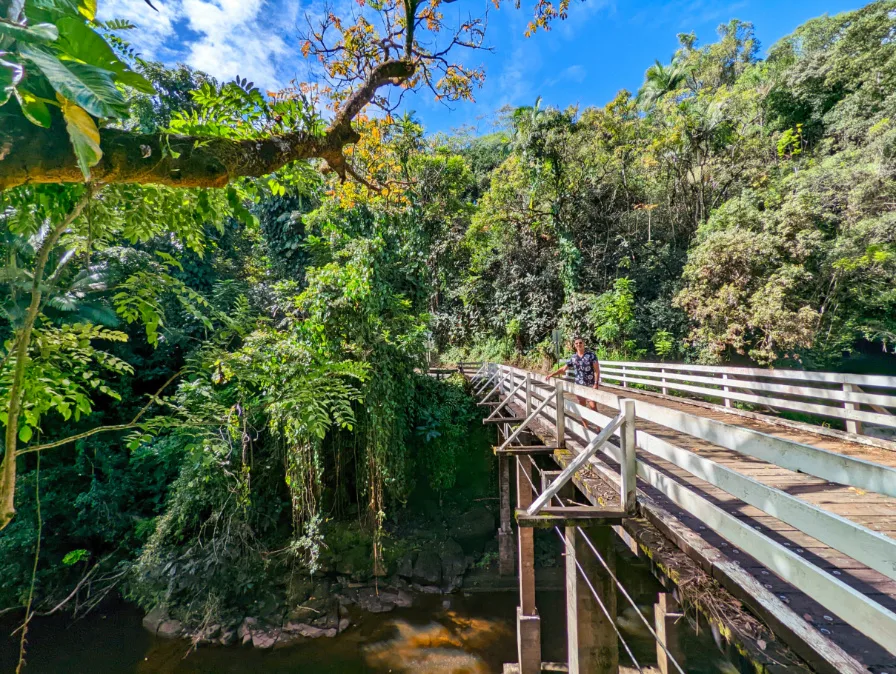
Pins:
<point x="586" y="367"/>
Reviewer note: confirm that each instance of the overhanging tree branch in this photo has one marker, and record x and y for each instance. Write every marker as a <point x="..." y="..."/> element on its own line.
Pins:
<point x="30" y="154"/>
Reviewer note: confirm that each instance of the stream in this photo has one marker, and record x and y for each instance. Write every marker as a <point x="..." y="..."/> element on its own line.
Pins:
<point x="470" y="632"/>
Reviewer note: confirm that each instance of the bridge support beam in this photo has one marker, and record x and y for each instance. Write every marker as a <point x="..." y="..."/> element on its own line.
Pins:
<point x="667" y="613"/>
<point x="506" y="542"/>
<point x="592" y="644"/>
<point x="528" y="622"/>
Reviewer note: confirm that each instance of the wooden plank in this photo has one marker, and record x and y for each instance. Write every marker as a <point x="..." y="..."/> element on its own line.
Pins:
<point x="870" y="618"/>
<point x="549" y="518"/>
<point x="504" y="420"/>
<point x="525" y="450"/>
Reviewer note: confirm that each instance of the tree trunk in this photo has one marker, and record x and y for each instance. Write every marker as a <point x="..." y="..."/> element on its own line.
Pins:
<point x="22" y="342"/>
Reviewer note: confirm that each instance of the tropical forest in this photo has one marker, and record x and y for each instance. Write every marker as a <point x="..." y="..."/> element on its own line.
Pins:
<point x="220" y="304"/>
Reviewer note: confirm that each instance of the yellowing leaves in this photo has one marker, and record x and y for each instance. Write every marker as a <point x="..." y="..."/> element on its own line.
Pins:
<point x="83" y="133"/>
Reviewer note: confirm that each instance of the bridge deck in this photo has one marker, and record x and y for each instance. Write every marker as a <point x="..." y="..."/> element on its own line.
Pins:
<point x="766" y="594"/>
<point x="872" y="510"/>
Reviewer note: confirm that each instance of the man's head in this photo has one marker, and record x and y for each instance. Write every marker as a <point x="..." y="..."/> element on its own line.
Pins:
<point x="579" y="345"/>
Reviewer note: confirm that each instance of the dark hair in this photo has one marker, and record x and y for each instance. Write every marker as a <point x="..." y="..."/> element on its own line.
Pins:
<point x="577" y="338"/>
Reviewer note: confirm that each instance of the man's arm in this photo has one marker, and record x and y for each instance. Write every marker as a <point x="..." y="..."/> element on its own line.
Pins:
<point x="596" y="365"/>
<point x="559" y="370"/>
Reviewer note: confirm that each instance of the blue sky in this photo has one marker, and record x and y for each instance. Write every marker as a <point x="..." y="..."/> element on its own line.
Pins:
<point x="604" y="46"/>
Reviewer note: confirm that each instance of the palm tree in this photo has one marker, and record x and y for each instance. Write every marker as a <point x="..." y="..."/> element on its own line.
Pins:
<point x="660" y="80"/>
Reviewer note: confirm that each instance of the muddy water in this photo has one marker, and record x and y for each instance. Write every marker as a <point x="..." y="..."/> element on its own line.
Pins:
<point x="472" y="633"/>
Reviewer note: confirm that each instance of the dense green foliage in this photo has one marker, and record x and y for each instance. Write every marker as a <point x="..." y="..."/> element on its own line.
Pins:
<point x="217" y="380"/>
<point x="747" y="203"/>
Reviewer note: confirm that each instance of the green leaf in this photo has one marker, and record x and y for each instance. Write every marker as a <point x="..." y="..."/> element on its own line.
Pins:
<point x="10" y="75"/>
<point x="25" y="433"/>
<point x="74" y="557"/>
<point x="83" y="43"/>
<point x="89" y="87"/>
<point x="42" y="32"/>
<point x="34" y="108"/>
<point x="83" y="133"/>
<point x="87" y="9"/>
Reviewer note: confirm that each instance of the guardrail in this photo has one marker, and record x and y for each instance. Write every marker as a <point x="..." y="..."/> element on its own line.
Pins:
<point x="854" y="399"/>
<point x="533" y="393"/>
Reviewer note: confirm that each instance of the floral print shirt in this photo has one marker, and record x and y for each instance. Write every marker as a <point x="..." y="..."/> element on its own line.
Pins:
<point x="584" y="367"/>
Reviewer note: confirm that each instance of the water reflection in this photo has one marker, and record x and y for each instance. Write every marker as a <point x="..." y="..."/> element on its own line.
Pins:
<point x="453" y="645"/>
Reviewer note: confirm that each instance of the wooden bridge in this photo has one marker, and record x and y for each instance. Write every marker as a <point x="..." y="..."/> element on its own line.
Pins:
<point x="734" y="507"/>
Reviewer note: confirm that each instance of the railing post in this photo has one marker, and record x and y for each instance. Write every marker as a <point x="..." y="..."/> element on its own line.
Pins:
<point x="624" y="375"/>
<point x="664" y="389"/>
<point x="528" y="622"/>
<point x="727" y="399"/>
<point x="629" y="467"/>
<point x="560" y="402"/>
<point x="528" y="394"/>
<point x="852" y="426"/>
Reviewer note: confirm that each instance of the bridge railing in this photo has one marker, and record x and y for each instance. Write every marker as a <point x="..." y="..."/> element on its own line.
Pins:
<point x="854" y="399"/>
<point x="530" y="391"/>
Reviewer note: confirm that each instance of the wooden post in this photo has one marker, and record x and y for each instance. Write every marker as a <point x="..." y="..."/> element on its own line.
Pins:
<point x="528" y="394"/>
<point x="852" y="426"/>
<point x="667" y="612"/>
<point x="506" y="544"/>
<point x="560" y="403"/>
<point x="629" y="467"/>
<point x="727" y="399"/>
<point x="665" y="390"/>
<point x="528" y="622"/>
<point x="591" y="639"/>
<point x="624" y="374"/>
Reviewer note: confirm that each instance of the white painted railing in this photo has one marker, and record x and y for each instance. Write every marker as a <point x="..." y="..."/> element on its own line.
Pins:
<point x="853" y="398"/>
<point x="532" y="391"/>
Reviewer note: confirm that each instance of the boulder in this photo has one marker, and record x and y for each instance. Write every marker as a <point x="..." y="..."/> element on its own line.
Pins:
<point x="454" y="564"/>
<point x="344" y="624"/>
<point x="310" y="631"/>
<point x="428" y="568"/>
<point x="227" y="637"/>
<point x="170" y="629"/>
<point x="406" y="565"/>
<point x="244" y="633"/>
<point x="208" y="634"/>
<point x="265" y="638"/>
<point x="404" y="599"/>
<point x="154" y="618"/>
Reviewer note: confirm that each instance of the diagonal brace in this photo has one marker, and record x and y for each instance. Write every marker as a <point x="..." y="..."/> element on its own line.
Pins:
<point x="526" y="422"/>
<point x="494" y="389"/>
<point x="506" y="400"/>
<point x="575" y="465"/>
<point x="482" y="386"/>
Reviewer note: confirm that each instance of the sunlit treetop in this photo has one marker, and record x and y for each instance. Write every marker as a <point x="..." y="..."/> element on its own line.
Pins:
<point x="64" y="78"/>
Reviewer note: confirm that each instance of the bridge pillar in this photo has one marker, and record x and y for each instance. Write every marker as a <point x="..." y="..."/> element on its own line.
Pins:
<point x="528" y="622"/>
<point x="592" y="644"/>
<point x="506" y="542"/>
<point x="667" y="612"/>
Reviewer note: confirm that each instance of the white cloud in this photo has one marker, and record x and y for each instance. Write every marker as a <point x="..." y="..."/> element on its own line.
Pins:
<point x="155" y="29"/>
<point x="255" y="39"/>
<point x="236" y="37"/>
